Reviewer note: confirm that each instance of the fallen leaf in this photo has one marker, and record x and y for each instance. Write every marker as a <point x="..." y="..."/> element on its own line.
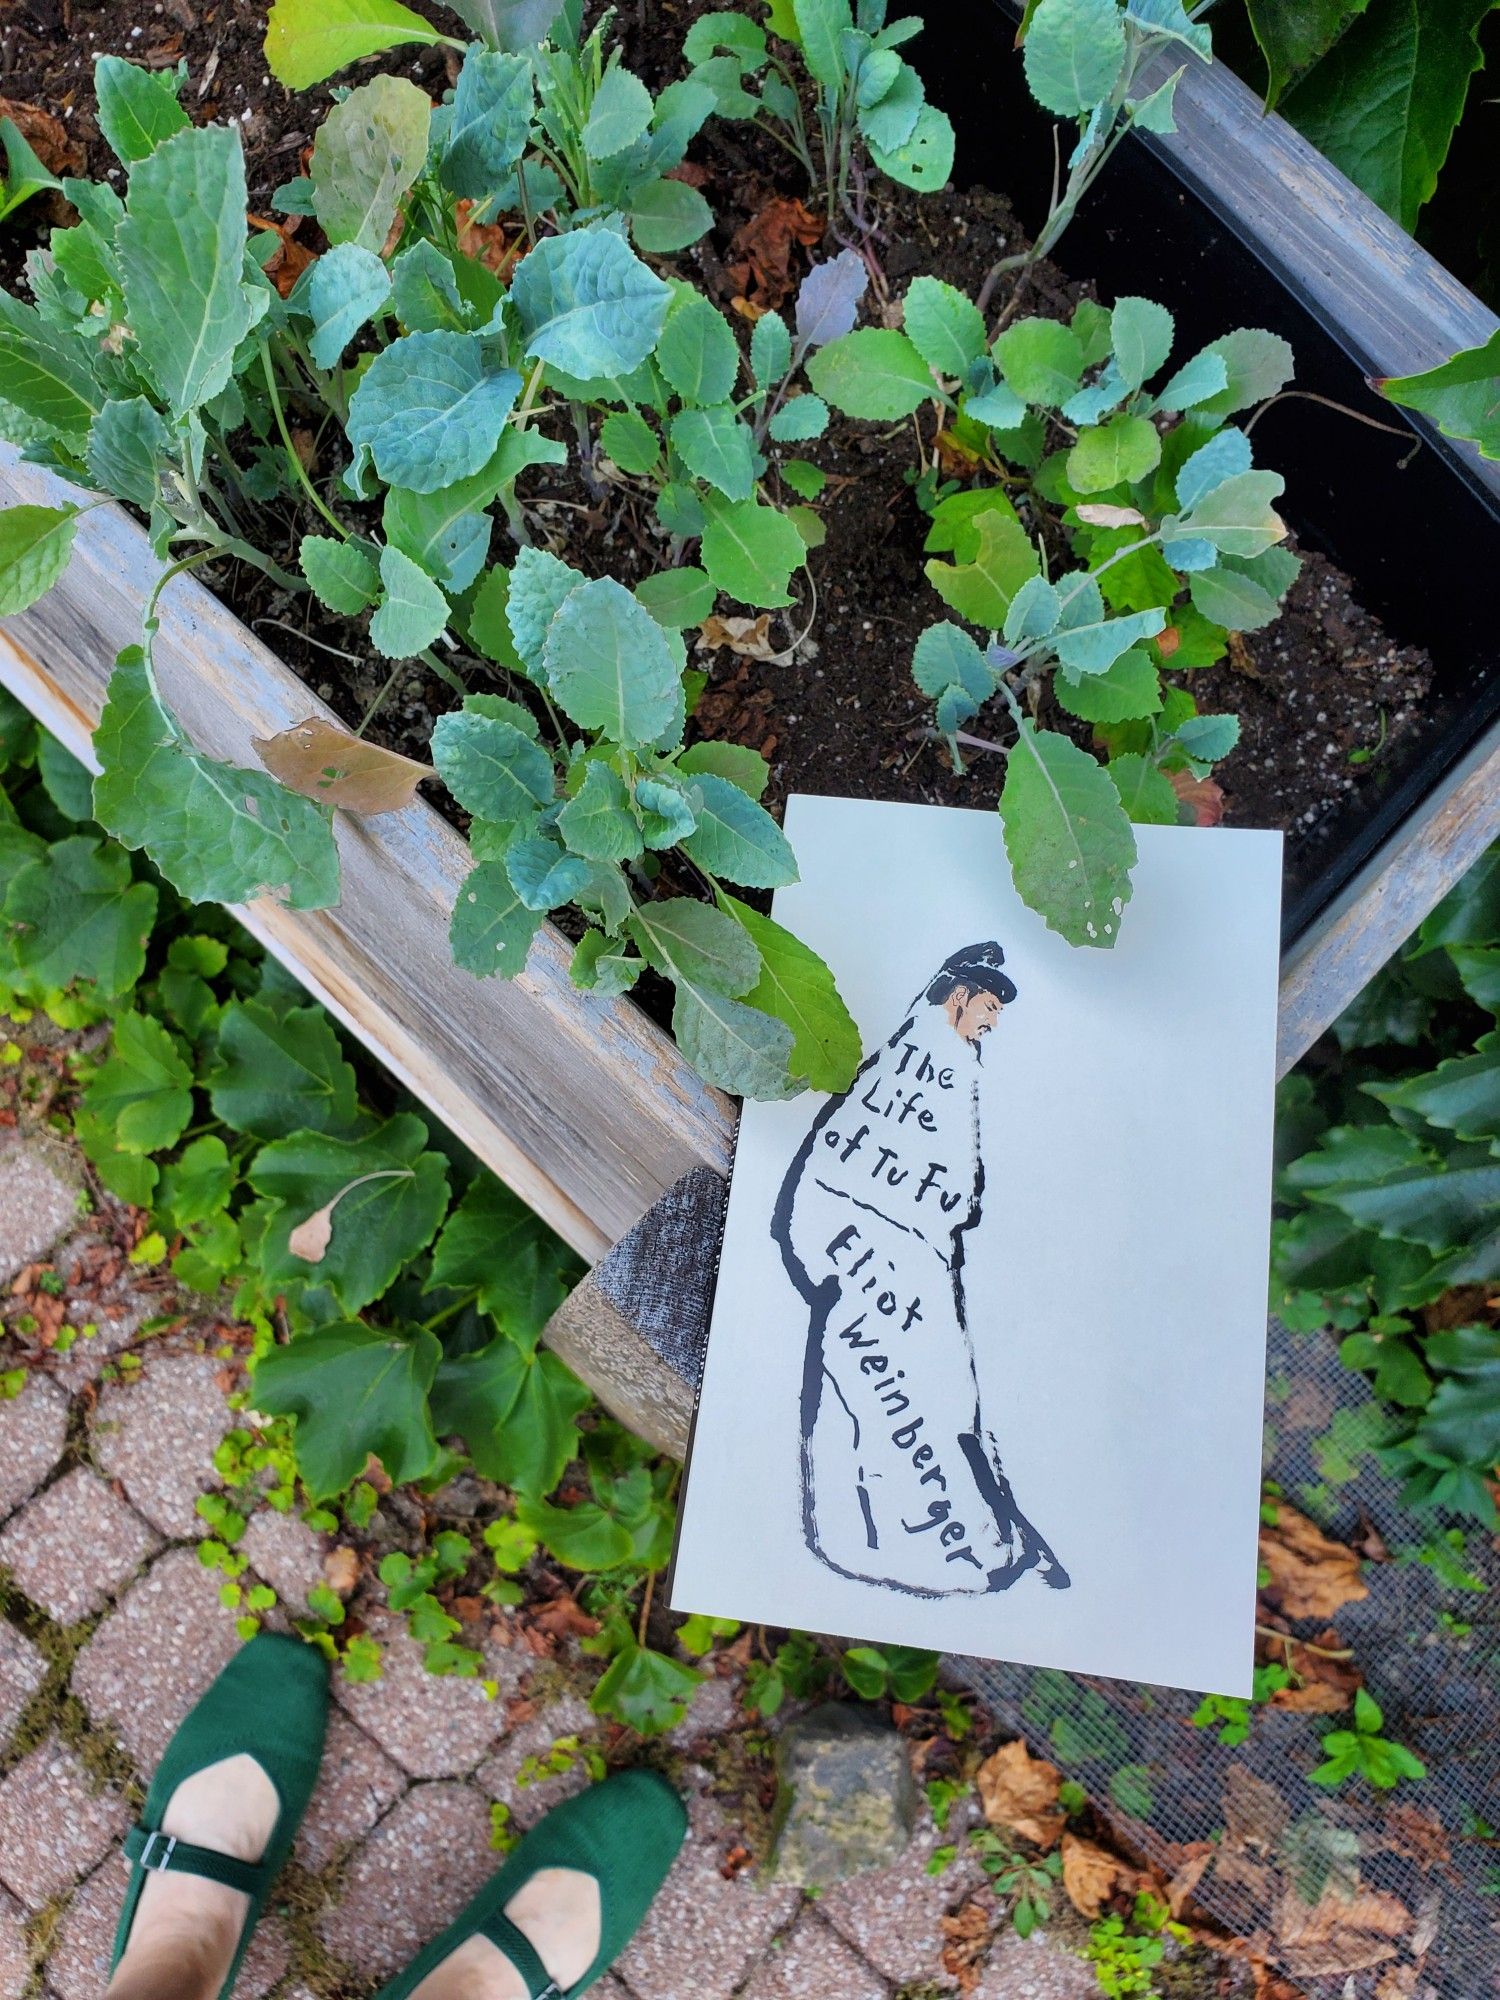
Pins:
<point x="1188" y="1875"/>
<point x="322" y="761"/>
<point x="1100" y="514"/>
<point x="341" y="1570"/>
<point x="376" y="1475"/>
<point x="1416" y="1834"/>
<point x="966" y="1933"/>
<point x="1255" y="1813"/>
<point x="289" y="259"/>
<point x="749" y="637"/>
<point x="1340" y="1933"/>
<point x="1202" y="794"/>
<point x="486" y="242"/>
<point x="563" y="1618"/>
<point x="1311" y="1576"/>
<point x="760" y="255"/>
<point x="1019" y="1791"/>
<point x="1398" y="1982"/>
<point x="59" y="152"/>
<point x="1167" y="641"/>
<point x="311" y="1238"/>
<point x="1090" y="1874"/>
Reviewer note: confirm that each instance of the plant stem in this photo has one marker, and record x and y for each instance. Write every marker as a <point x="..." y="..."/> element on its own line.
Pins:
<point x="298" y="468"/>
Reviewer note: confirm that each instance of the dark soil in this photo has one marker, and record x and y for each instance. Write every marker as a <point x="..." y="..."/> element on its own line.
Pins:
<point x="836" y="710"/>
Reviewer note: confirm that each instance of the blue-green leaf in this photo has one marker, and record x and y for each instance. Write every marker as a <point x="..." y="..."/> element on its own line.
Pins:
<point x="346" y="287"/>
<point x="608" y="663"/>
<point x="588" y="304"/>
<point x="431" y="408"/>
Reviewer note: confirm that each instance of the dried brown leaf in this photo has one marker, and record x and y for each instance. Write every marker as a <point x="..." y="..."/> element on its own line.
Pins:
<point x="1340" y="1933"/>
<point x="1091" y="1874"/>
<point x="322" y="761"/>
<point x="59" y="152"/>
<point x="1101" y="514"/>
<point x="1202" y="794"/>
<point x="341" y="1570"/>
<point x="311" y="1238"/>
<point x="749" y="637"/>
<point x="1311" y="1576"/>
<point x="1255" y="1813"/>
<point x="1188" y="1875"/>
<point x="760" y="256"/>
<point x="1019" y="1791"/>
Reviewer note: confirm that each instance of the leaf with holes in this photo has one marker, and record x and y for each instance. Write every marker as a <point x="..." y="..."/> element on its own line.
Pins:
<point x="1069" y="842"/>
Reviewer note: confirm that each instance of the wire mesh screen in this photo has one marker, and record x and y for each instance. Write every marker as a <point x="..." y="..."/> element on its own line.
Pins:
<point x="1350" y="1891"/>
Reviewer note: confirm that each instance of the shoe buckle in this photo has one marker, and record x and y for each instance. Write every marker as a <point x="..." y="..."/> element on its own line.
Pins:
<point x="155" y="1861"/>
<point x="551" y="1991"/>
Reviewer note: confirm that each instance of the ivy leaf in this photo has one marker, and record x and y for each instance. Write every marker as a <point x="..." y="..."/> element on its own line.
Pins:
<point x="280" y="1073"/>
<point x="588" y="304"/>
<point x="136" y="108"/>
<point x="143" y="1092"/>
<point x="947" y="329"/>
<point x="738" y="839"/>
<point x="493" y="1244"/>
<point x="356" y="1392"/>
<point x="609" y="664"/>
<point x="1074" y="52"/>
<point x="828" y="300"/>
<point x="490" y="123"/>
<point x="35" y="543"/>
<point x="516" y="1409"/>
<point x="217" y="832"/>
<point x="874" y="372"/>
<point x="181" y="248"/>
<point x="413" y="610"/>
<point x="431" y="409"/>
<point x="1461" y="395"/>
<point x="492" y="929"/>
<point x="490" y="760"/>
<point x="585" y="1537"/>
<point x="80" y="916"/>
<point x="798" y="988"/>
<point x="649" y="1692"/>
<point x="307" y="40"/>
<point x="750" y="550"/>
<point x="698" y="354"/>
<point x="1069" y="843"/>
<point x="369" y="150"/>
<point x="386" y="1195"/>
<point x="346" y="287"/>
<point x="341" y="575"/>
<point x="199" y="1183"/>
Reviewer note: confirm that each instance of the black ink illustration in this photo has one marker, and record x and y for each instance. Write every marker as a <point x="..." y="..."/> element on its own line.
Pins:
<point x="902" y="1484"/>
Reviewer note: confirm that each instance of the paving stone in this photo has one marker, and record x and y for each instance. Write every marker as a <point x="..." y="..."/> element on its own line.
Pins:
<point x="40" y="1184"/>
<point x="287" y="1553"/>
<point x="154" y="1655"/>
<point x="77" y="1967"/>
<point x="714" y="1711"/>
<point x="358" y="1783"/>
<point x="813" y="1963"/>
<point x="74" y="1546"/>
<point x="54" y="1823"/>
<point x="157" y="1436"/>
<point x="410" y="1879"/>
<point x="33" y="1431"/>
<point x="703" y="1933"/>
<point x="1034" y="1968"/>
<point x="15" y="1958"/>
<point x="893" y="1916"/>
<point x="499" y="1776"/>
<point x="434" y="1726"/>
<point x="22" y="1671"/>
<point x="116" y="1320"/>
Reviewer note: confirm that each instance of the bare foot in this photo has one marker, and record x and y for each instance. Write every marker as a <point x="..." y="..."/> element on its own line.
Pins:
<point x="231" y="1807"/>
<point x="557" y="1909"/>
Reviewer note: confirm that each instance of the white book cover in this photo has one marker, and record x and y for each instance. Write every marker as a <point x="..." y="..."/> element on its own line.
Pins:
<point x="986" y="1365"/>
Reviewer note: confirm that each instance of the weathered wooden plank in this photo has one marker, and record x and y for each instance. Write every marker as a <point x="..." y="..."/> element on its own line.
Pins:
<point x="582" y="1106"/>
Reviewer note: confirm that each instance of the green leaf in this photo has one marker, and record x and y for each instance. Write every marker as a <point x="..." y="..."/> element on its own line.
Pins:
<point x="1041" y="360"/>
<point x="608" y="663"/>
<point x="346" y="287"/>
<point x="619" y="115"/>
<point x="1233" y="600"/>
<point x="181" y="247"/>
<point x="1075" y="51"/>
<point x="307" y="40"/>
<point x="25" y="175"/>
<point x="424" y="291"/>
<point x="1461" y="395"/>
<point x="738" y="839"/>
<point x="509" y="24"/>
<point x="677" y="597"/>
<point x="588" y="304"/>
<point x="821" y="24"/>
<point x="598" y="823"/>
<point x="828" y="299"/>
<point x="945" y="656"/>
<point x="1257" y="365"/>
<point x="217" y="832"/>
<point x="517" y="1410"/>
<point x="697" y="352"/>
<point x="542" y="874"/>
<point x="946" y="328"/>
<point x="143" y="1092"/>
<point x="799" y="989"/>
<point x="1434" y="1205"/>
<point x="431" y="409"/>
<point x="735" y="761"/>
<point x="647" y="1691"/>
<point x="1145" y="792"/>
<point x="368" y="153"/>
<point x="280" y="1073"/>
<point x="1385" y="100"/>
<point x="1113" y="454"/>
<point x="342" y="576"/>
<point x="1140" y="333"/>
<point x="716" y="446"/>
<point x="1069" y="842"/>
<point x="69" y="784"/>
<point x="750" y="550"/>
<point x="49" y="381"/>
<point x="356" y="1392"/>
<point x="493" y="1244"/>
<point x="80" y="917"/>
<point x="413" y="611"/>
<point x="387" y="1196"/>
<point x="1293" y="34"/>
<point x="1088" y="641"/>
<point x="629" y="440"/>
<point x="1463" y="1419"/>
<point x="1237" y="516"/>
<point x="873" y="372"/>
<point x="1462" y="1095"/>
<point x="667" y="215"/>
<point x="136" y="108"/>
<point x="35" y="543"/>
<point x="490" y="760"/>
<point x="733" y="1045"/>
<point x="198" y="1184"/>
<point x="492" y="929"/>
<point x="539" y="586"/>
<point x="583" y="1537"/>
<point x="770" y="350"/>
<point x="799" y="418"/>
<point x="696" y="945"/>
<point x="1004" y="559"/>
<point x="1127" y="689"/>
<point x="491" y="122"/>
<point x="127" y="449"/>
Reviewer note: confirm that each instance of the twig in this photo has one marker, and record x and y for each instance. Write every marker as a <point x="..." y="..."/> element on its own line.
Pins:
<point x="1322" y="1652"/>
<point x="646" y="1607"/>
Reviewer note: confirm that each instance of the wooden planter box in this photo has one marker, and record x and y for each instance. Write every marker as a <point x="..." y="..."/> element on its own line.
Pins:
<point x="584" y="1106"/>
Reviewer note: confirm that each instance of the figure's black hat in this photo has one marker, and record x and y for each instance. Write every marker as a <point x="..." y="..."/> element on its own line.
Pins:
<point x="977" y="967"/>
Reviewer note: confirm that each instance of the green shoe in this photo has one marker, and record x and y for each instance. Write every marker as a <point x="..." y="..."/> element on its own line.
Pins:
<point x="624" y="1832"/>
<point x="270" y="1703"/>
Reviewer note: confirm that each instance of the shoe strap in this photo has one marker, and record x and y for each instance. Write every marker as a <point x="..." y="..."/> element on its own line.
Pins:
<point x="157" y="1853"/>
<point x="523" y="1955"/>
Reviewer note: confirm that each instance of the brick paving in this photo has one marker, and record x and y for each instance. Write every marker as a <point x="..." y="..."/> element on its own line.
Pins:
<point x="99" y="1472"/>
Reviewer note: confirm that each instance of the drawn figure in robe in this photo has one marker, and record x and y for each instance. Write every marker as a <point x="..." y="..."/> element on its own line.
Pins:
<point x="902" y="1482"/>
